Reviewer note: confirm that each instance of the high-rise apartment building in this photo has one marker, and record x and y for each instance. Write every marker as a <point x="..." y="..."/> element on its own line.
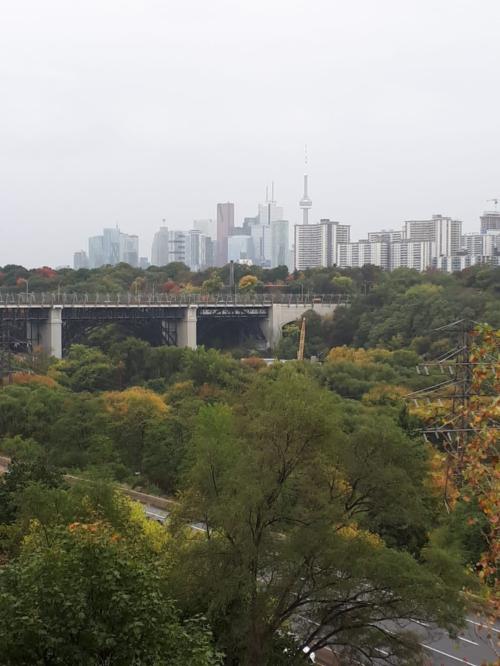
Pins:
<point x="363" y="252"/>
<point x="460" y="262"/>
<point x="225" y="224"/>
<point x="490" y="221"/>
<point x="444" y="232"/>
<point x="177" y="246"/>
<point x="415" y="254"/>
<point x="388" y="236"/>
<point x="486" y="244"/>
<point x="316" y="244"/>
<point x="160" y="248"/>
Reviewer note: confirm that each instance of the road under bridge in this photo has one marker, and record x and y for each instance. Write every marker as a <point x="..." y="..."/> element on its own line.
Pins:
<point x="54" y="321"/>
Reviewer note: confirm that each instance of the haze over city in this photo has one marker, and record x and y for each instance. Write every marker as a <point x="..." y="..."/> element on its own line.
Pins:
<point x="132" y="112"/>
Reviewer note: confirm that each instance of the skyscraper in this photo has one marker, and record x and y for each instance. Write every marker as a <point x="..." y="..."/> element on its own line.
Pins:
<point x="111" y="245"/>
<point x="96" y="252"/>
<point x="80" y="260"/>
<point x="225" y="224"/>
<point x="160" y="247"/>
<point x="208" y="227"/>
<point x="280" y="243"/>
<point x="269" y="212"/>
<point x="239" y="248"/>
<point x="129" y="249"/>
<point x="198" y="250"/>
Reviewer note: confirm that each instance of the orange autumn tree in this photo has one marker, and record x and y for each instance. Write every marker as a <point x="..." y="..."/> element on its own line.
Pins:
<point x="480" y="467"/>
<point x="131" y="414"/>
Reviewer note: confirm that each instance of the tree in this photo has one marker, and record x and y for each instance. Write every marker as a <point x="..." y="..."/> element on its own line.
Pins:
<point x="93" y="598"/>
<point x="295" y="518"/>
<point x="19" y="475"/>
<point x="132" y="413"/>
<point x="213" y="284"/>
<point x="480" y="466"/>
<point x="85" y="369"/>
<point x="248" y="283"/>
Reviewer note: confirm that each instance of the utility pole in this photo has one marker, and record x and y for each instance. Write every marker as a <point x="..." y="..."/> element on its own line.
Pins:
<point x="302" y="340"/>
<point x="232" y="288"/>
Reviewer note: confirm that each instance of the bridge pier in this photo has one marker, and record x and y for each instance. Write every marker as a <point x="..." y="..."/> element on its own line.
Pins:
<point x="48" y="334"/>
<point x="186" y="328"/>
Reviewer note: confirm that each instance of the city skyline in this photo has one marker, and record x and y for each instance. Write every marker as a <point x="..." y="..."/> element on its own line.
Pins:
<point x="128" y="113"/>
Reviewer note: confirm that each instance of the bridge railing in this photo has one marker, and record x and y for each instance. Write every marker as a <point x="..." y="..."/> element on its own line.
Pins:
<point x="28" y="299"/>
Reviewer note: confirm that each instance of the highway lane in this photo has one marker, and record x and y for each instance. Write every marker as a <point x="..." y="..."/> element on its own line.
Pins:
<point x="476" y="644"/>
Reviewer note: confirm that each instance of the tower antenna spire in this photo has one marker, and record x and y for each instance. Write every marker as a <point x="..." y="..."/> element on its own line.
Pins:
<point x="305" y="203"/>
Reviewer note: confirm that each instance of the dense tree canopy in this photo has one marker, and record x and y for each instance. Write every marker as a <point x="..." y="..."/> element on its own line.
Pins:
<point x="317" y="522"/>
<point x="320" y="505"/>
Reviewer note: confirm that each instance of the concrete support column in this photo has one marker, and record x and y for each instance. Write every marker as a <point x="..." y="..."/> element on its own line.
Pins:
<point x="50" y="332"/>
<point x="186" y="328"/>
<point x="267" y="327"/>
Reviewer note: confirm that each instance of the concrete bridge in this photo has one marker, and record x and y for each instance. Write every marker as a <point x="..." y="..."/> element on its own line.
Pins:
<point x="49" y="321"/>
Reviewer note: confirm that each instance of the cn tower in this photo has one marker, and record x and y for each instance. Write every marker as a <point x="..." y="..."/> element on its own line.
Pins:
<point x="305" y="203"/>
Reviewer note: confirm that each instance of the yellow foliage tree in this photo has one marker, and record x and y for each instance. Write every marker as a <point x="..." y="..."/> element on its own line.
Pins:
<point x="247" y="283"/>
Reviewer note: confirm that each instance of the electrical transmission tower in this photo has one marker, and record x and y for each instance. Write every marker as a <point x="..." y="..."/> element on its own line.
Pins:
<point x="451" y="424"/>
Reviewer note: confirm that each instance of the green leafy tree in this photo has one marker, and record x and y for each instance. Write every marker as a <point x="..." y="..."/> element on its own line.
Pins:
<point x="213" y="284"/>
<point x="86" y="369"/>
<point x="90" y="597"/>
<point x="296" y="529"/>
<point x="19" y="475"/>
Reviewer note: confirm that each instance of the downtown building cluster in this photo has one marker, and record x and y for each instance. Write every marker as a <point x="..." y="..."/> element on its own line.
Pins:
<point x="264" y="240"/>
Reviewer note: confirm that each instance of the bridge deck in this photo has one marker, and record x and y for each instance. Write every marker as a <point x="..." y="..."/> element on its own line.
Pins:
<point x="47" y="300"/>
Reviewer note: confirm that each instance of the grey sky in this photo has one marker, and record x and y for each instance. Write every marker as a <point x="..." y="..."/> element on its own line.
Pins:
<point x="131" y="111"/>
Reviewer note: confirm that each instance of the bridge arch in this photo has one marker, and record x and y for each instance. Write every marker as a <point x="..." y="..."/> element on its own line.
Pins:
<point x="281" y="314"/>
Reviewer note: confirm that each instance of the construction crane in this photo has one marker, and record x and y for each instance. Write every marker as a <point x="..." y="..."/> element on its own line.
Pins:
<point x="495" y="201"/>
<point x="302" y="340"/>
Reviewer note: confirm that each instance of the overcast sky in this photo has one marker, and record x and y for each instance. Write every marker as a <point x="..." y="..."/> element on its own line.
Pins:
<point x="131" y="111"/>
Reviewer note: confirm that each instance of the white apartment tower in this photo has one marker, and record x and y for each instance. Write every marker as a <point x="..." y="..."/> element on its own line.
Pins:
<point x="444" y="232"/>
<point x="316" y="245"/>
